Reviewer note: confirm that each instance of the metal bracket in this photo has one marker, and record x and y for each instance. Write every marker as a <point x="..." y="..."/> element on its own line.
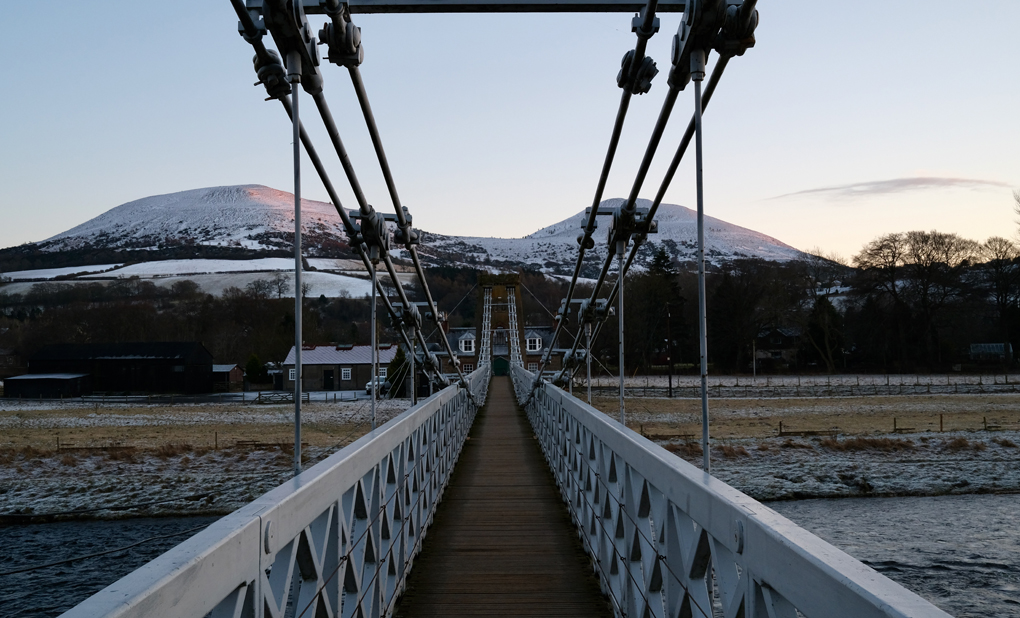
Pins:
<point x="341" y="37"/>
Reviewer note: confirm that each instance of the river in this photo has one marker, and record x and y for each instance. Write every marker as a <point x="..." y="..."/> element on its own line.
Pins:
<point x="960" y="552"/>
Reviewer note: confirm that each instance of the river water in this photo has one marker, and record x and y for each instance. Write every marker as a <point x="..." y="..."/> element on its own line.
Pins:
<point x="960" y="552"/>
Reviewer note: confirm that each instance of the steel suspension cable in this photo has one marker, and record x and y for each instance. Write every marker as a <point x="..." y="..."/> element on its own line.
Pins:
<point x="647" y="25"/>
<point x="685" y="141"/>
<point x="349" y="227"/>
<point x="366" y="209"/>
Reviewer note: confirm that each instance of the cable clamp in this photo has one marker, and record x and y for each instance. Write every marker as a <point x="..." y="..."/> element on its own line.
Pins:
<point x="636" y="79"/>
<point x="272" y="75"/>
<point x="341" y="36"/>
<point x="639" y="19"/>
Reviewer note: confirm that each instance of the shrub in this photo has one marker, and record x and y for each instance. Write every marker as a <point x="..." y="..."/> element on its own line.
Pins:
<point x="686" y="450"/>
<point x="868" y="444"/>
<point x="956" y="444"/>
<point x="172" y="449"/>
<point x="791" y="444"/>
<point x="732" y="452"/>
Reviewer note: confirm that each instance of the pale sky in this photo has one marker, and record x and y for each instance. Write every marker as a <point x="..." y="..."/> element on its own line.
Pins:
<point x="847" y="121"/>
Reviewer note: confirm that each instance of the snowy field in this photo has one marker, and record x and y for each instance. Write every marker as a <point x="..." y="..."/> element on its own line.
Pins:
<point x="215" y="276"/>
<point x="183" y="459"/>
<point x="164" y="268"/>
<point x="50" y="273"/>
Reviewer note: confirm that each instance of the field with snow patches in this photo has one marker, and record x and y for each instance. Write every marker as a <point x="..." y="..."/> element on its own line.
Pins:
<point x="212" y="458"/>
<point x="51" y="273"/>
<point x="844" y="446"/>
<point x="333" y="278"/>
<point x="191" y="267"/>
<point x="189" y="459"/>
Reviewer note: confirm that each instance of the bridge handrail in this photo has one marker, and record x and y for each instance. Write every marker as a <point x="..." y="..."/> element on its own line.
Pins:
<point x="338" y="539"/>
<point x="657" y="528"/>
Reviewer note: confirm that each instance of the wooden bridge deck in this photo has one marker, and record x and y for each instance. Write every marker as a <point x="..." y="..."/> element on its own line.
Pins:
<point x="502" y="542"/>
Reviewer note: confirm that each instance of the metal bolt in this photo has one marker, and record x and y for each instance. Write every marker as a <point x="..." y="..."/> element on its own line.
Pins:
<point x="269" y="537"/>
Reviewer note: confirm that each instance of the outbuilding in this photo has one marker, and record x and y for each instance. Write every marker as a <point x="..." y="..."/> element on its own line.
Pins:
<point x="336" y="367"/>
<point x="157" y="367"/>
<point x="47" y="386"/>
<point x="227" y="378"/>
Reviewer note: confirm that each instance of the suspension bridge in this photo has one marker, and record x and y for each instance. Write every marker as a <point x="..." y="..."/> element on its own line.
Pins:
<point x="500" y="495"/>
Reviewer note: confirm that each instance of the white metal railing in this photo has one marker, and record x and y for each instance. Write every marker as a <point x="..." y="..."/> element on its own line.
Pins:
<point x="667" y="539"/>
<point x="337" y="540"/>
<point x="485" y="354"/>
<point x="514" y="334"/>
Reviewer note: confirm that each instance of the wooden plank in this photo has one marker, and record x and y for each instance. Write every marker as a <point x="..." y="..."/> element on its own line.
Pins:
<point x="502" y="542"/>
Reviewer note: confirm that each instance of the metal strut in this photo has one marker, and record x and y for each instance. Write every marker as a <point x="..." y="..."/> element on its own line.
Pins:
<point x="287" y="23"/>
<point x="294" y="76"/>
<point x="729" y="29"/>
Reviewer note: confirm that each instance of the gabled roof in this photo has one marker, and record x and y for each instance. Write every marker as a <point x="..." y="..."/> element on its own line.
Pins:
<point x="342" y="355"/>
<point x="49" y="376"/>
<point x="157" y="350"/>
<point x="222" y="368"/>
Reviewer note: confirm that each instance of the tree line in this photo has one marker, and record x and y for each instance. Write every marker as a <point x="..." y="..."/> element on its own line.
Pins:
<point x="907" y="302"/>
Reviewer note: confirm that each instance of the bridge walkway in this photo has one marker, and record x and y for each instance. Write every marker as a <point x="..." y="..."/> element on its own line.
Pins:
<point x="502" y="542"/>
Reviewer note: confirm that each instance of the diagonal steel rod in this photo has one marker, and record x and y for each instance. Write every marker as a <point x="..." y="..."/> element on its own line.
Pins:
<point x="294" y="70"/>
<point x="359" y="194"/>
<point x="688" y="136"/>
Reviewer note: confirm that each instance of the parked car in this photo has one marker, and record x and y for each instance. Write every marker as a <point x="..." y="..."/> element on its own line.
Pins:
<point x="384" y="386"/>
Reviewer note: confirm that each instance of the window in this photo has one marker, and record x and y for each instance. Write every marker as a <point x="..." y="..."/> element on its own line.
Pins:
<point x="532" y="367"/>
<point x="290" y="375"/>
<point x="467" y="345"/>
<point x="534" y="344"/>
<point x="345" y="373"/>
<point x="468" y="367"/>
<point x="178" y="368"/>
<point x="382" y="372"/>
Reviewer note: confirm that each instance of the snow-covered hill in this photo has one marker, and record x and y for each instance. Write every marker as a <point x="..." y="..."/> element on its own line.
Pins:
<point x="553" y="249"/>
<point x="246" y="216"/>
<point x="260" y="220"/>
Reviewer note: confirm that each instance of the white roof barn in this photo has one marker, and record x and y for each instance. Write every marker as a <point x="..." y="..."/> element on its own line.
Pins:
<point x="342" y="354"/>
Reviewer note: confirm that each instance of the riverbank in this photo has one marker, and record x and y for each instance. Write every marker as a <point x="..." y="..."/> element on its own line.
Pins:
<point x="72" y="462"/>
<point x="65" y="461"/>
<point x="838" y="447"/>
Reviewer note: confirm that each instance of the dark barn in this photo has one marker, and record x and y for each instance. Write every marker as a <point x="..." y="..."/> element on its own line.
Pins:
<point x="48" y="385"/>
<point x="163" y="367"/>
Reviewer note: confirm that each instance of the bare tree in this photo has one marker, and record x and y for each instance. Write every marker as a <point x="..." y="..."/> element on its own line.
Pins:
<point x="280" y="285"/>
<point x="825" y="271"/>
<point x="1001" y="275"/>
<point x="881" y="262"/>
<point x="259" y="288"/>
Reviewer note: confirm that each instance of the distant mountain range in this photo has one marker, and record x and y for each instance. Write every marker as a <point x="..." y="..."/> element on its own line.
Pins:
<point x="254" y="221"/>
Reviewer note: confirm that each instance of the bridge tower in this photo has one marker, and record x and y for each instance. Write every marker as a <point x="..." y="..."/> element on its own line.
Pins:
<point x="500" y="291"/>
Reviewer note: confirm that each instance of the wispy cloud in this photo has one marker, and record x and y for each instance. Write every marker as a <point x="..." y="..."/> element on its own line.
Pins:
<point x="896" y="185"/>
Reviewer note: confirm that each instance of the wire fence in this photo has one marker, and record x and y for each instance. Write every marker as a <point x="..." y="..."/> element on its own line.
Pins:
<point x="866" y="385"/>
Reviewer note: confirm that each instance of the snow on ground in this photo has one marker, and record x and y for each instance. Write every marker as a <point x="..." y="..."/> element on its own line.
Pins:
<point x="198" y="479"/>
<point x="191" y="267"/>
<point x="50" y="273"/>
<point x="556" y="244"/>
<point x="915" y="465"/>
<point x="336" y="264"/>
<point x="181" y="478"/>
<point x="225" y="216"/>
<point x="330" y="284"/>
<point x="48" y="414"/>
<point x="793" y="381"/>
